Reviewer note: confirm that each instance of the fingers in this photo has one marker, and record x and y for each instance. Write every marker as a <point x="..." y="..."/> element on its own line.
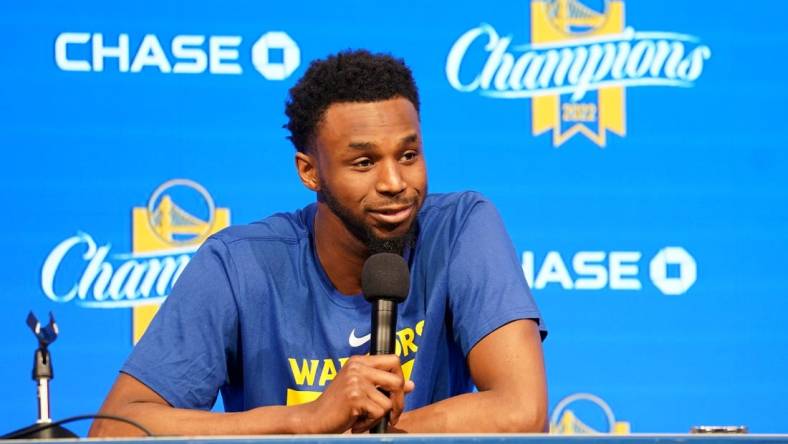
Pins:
<point x="389" y="363"/>
<point x="365" y="424"/>
<point x="380" y="399"/>
<point x="370" y="375"/>
<point x="378" y="371"/>
<point x="387" y="374"/>
<point x="354" y="399"/>
<point x="398" y="394"/>
<point x="399" y="401"/>
<point x="363" y="427"/>
<point x="375" y="407"/>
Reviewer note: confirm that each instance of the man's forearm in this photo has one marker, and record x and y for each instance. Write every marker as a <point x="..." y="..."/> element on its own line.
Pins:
<point x="508" y="367"/>
<point x="485" y="412"/>
<point x="352" y="400"/>
<point x="163" y="420"/>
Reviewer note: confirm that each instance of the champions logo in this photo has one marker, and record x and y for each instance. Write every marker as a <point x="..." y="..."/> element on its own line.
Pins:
<point x="597" y="417"/>
<point x="179" y="215"/>
<point x="575" y="69"/>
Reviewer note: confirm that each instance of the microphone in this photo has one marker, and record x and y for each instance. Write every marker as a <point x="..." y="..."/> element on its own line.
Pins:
<point x="385" y="282"/>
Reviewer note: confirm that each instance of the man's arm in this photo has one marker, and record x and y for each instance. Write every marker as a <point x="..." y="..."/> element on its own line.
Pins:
<point x="351" y="400"/>
<point x="508" y="369"/>
<point x="132" y="399"/>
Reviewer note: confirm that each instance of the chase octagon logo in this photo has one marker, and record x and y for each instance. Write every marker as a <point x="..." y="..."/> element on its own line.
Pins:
<point x="575" y="70"/>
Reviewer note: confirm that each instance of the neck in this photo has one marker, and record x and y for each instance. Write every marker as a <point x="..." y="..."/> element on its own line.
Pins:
<point x="341" y="254"/>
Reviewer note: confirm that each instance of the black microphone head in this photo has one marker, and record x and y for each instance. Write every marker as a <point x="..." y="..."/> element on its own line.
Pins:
<point x="385" y="276"/>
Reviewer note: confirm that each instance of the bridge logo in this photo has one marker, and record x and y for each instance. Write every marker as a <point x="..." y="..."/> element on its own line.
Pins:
<point x="565" y="419"/>
<point x="173" y="224"/>
<point x="575" y="69"/>
<point x="179" y="215"/>
<point x="597" y="111"/>
<point x="165" y="224"/>
<point x="572" y="17"/>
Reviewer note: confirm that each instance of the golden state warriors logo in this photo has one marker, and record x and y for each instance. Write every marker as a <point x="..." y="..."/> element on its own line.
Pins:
<point x="576" y="67"/>
<point x="598" y="111"/>
<point x="165" y="224"/>
<point x="567" y="414"/>
<point x="179" y="215"/>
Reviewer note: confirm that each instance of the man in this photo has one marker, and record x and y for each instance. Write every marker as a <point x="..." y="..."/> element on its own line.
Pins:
<point x="271" y="315"/>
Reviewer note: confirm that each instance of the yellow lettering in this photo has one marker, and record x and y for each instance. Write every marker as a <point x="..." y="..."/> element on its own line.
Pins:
<point x="407" y="369"/>
<point x="329" y="372"/>
<point x="306" y="372"/>
<point x="342" y="361"/>
<point x="295" y="397"/>
<point x="406" y="336"/>
<point x="419" y="328"/>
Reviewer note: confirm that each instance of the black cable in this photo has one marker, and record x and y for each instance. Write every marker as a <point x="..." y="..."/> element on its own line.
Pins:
<point x="27" y="431"/>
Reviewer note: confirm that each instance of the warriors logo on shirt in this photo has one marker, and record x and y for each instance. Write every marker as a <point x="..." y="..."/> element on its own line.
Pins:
<point x="310" y="376"/>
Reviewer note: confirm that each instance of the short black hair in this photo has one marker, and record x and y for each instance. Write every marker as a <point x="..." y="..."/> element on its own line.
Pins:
<point x="348" y="76"/>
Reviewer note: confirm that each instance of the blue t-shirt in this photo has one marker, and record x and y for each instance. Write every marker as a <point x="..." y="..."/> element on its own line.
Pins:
<point x="255" y="316"/>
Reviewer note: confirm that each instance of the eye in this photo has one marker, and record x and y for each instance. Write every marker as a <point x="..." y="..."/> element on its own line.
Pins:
<point x="364" y="162"/>
<point x="410" y="156"/>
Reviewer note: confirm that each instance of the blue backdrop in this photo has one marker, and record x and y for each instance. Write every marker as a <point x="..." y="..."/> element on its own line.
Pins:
<point x="644" y="185"/>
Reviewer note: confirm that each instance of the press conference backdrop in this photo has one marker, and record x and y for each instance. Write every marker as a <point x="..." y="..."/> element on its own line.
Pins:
<point x="636" y="151"/>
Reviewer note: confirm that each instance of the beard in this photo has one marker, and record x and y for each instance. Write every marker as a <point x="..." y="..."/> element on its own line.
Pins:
<point x="363" y="232"/>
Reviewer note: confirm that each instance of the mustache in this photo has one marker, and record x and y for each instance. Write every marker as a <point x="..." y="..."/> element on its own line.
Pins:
<point x="394" y="202"/>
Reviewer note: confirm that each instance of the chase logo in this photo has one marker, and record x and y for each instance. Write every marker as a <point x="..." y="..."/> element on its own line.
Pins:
<point x="179" y="215"/>
<point x="274" y="55"/>
<point x="575" y="69"/>
<point x="597" y="417"/>
<point x="672" y="270"/>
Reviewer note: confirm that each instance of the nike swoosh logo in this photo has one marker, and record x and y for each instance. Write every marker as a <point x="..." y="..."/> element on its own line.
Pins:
<point x="355" y="341"/>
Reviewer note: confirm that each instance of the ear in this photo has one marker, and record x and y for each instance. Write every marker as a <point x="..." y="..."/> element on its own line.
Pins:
<point x="306" y="165"/>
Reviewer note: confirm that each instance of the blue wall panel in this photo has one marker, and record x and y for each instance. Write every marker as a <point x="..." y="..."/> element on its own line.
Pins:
<point x="700" y="168"/>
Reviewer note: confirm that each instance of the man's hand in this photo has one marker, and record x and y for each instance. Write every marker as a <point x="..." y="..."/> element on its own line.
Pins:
<point x="352" y="400"/>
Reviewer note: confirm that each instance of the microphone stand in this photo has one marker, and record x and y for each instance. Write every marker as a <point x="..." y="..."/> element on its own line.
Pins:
<point x="42" y="374"/>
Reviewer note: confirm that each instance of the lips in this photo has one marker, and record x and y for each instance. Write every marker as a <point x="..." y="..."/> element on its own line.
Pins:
<point x="392" y="215"/>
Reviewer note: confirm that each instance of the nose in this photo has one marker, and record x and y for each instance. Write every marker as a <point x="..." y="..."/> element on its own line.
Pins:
<point x="390" y="180"/>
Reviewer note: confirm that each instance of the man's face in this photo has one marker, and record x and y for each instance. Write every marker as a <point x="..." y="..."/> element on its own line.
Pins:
<point x="371" y="169"/>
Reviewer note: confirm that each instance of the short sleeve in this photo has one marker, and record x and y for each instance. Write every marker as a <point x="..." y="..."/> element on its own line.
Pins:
<point x="184" y="353"/>
<point x="487" y="288"/>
